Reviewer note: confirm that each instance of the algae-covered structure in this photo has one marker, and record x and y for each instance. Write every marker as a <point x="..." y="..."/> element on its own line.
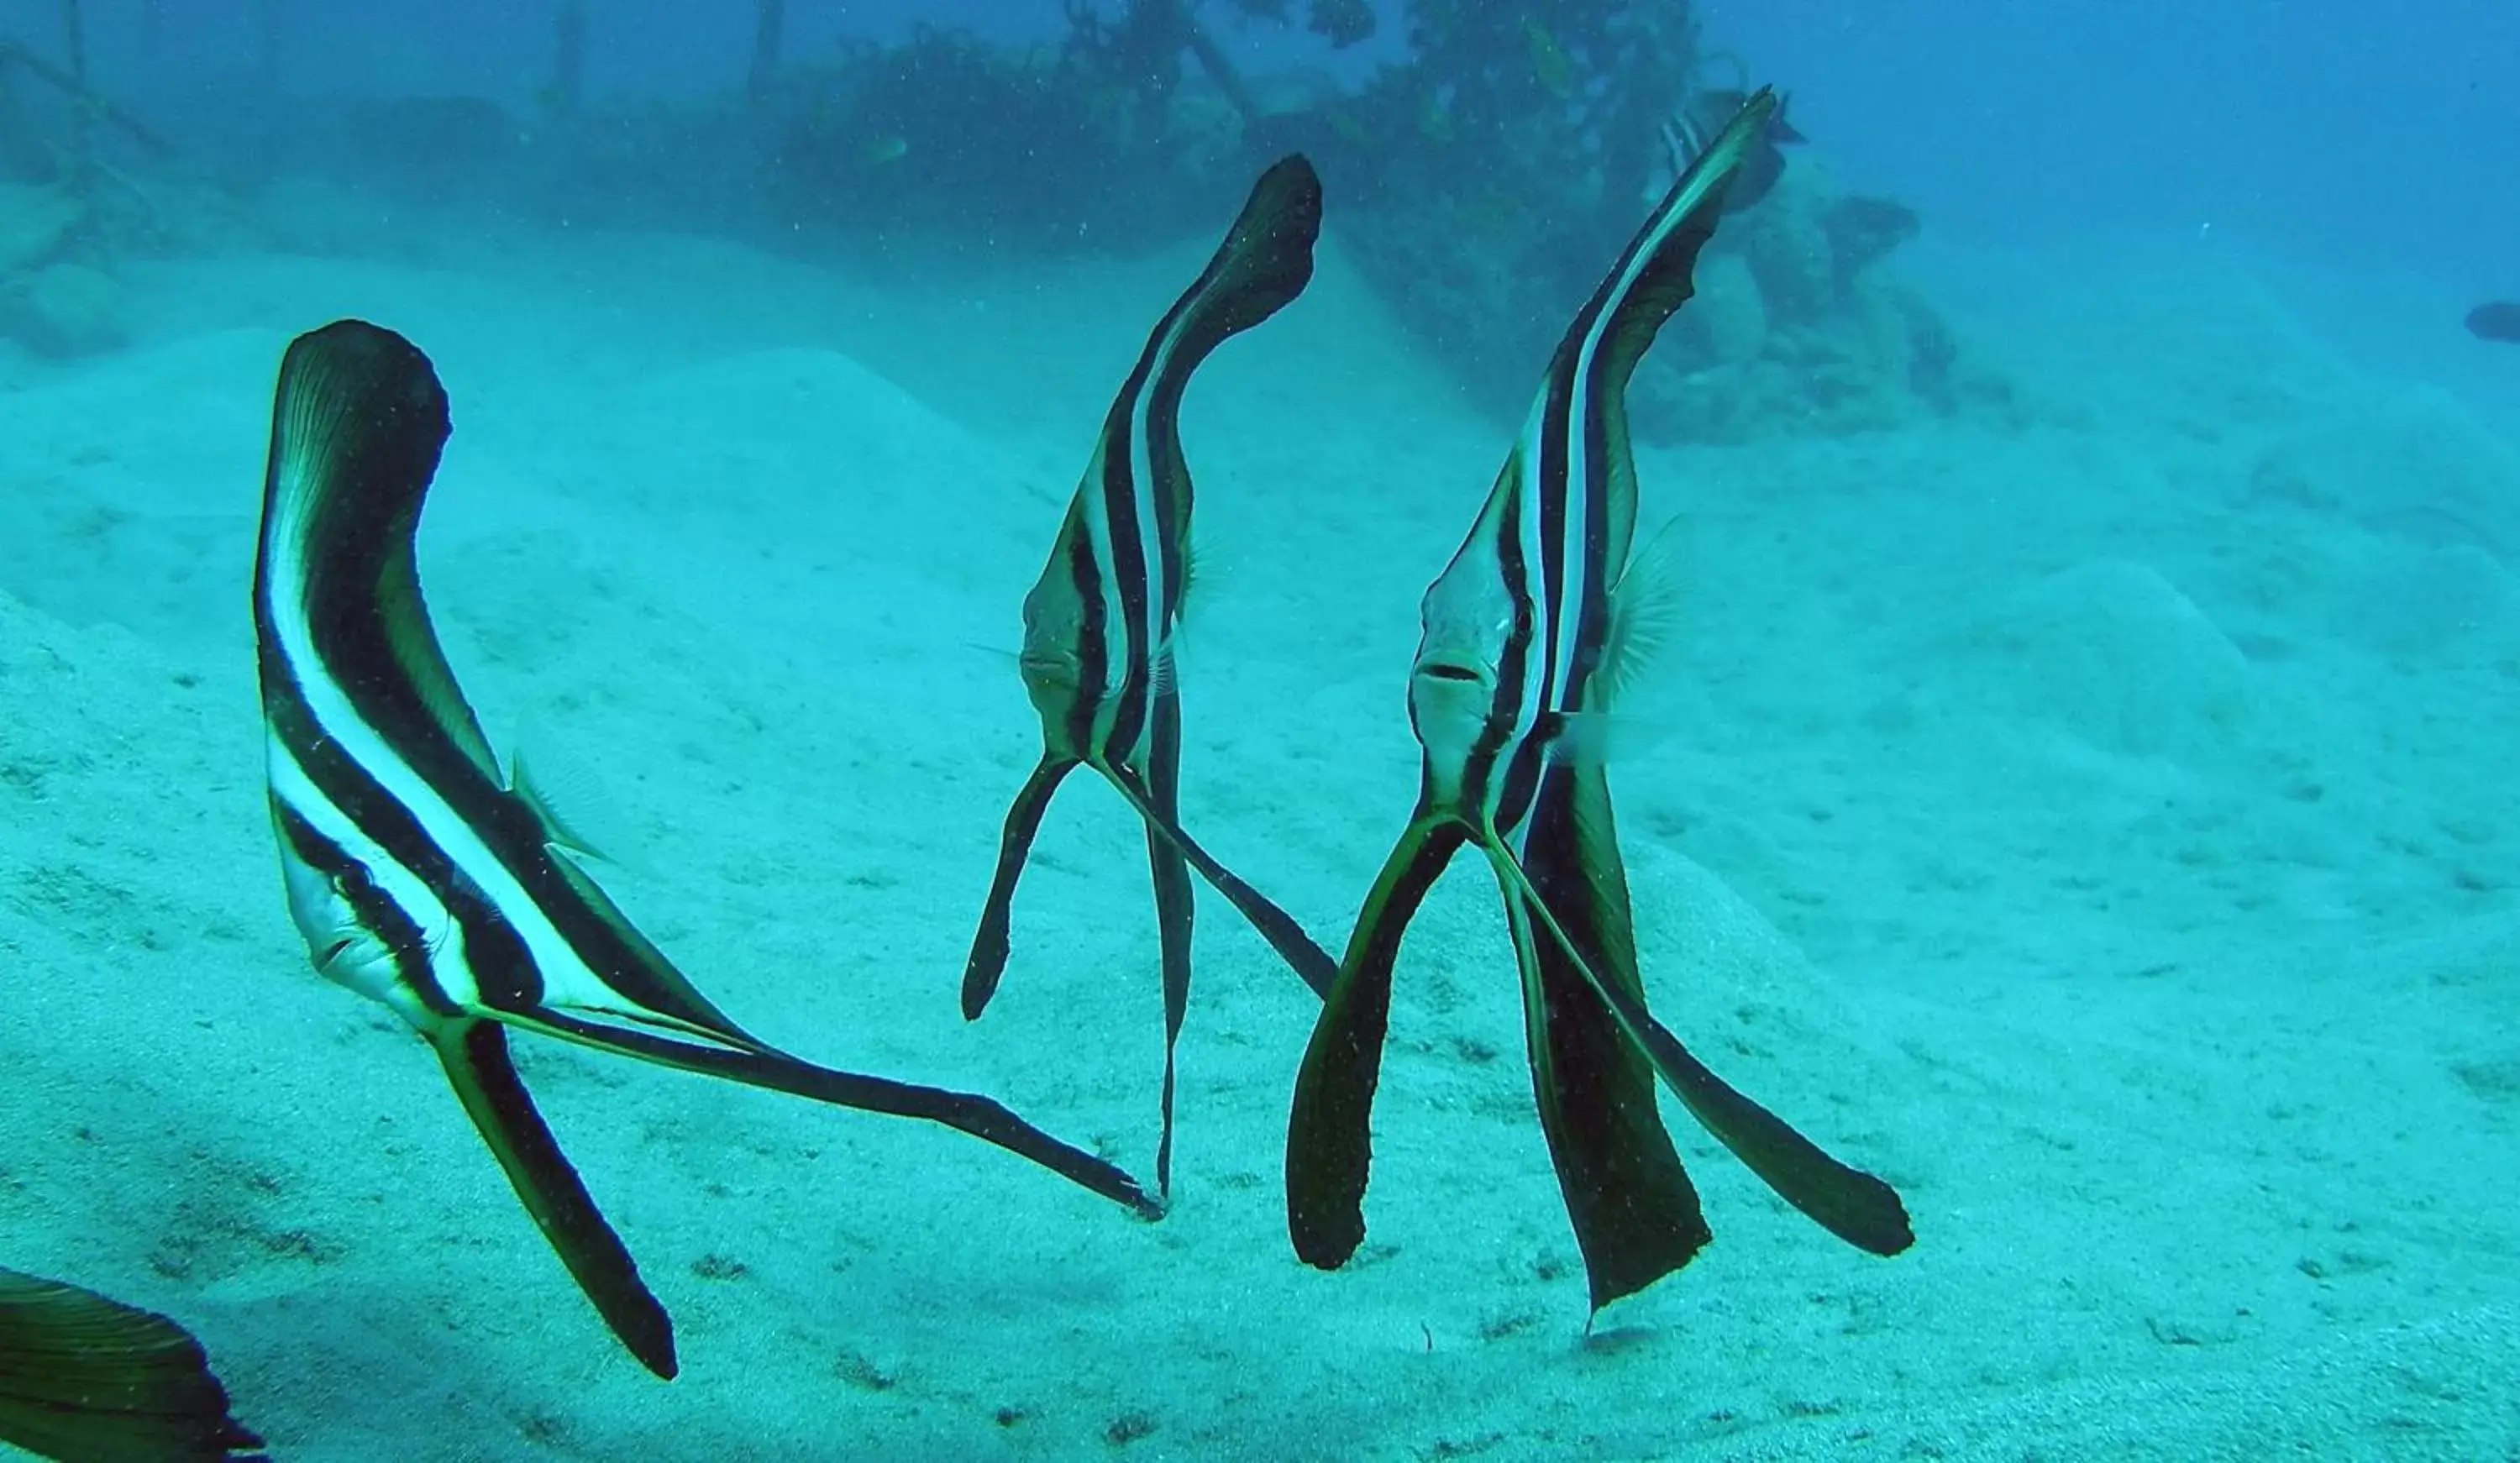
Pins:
<point x="1477" y="163"/>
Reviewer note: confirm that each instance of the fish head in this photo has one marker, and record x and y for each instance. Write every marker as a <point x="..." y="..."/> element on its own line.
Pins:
<point x="1469" y="621"/>
<point x="1053" y="658"/>
<point x="344" y="949"/>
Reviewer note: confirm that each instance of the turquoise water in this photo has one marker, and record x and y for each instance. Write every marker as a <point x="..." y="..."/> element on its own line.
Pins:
<point x="2074" y="787"/>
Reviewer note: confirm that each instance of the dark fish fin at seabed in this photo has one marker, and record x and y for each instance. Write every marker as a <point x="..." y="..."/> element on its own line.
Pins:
<point x="1849" y="1203"/>
<point x="87" y="1379"/>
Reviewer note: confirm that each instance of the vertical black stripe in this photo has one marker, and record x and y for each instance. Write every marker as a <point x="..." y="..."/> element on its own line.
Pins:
<point x="1126" y="580"/>
<point x="1513" y="666"/>
<point x="1092" y="609"/>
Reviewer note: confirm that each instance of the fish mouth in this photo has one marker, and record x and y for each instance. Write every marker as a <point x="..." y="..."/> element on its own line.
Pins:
<point x="1450" y="669"/>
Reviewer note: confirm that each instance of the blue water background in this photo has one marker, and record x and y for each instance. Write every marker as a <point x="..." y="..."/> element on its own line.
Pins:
<point x="2378" y="135"/>
<point x="2359" y="158"/>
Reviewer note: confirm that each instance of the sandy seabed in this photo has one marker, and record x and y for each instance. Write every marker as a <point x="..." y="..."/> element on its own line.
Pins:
<point x="2097" y="817"/>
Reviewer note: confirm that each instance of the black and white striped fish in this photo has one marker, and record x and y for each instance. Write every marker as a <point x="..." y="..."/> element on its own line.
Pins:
<point x="1100" y="624"/>
<point x="1528" y="632"/>
<point x="423" y="879"/>
<point x="1692" y="128"/>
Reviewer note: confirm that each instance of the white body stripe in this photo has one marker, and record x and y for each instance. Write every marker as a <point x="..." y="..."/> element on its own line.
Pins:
<point x="1141" y="478"/>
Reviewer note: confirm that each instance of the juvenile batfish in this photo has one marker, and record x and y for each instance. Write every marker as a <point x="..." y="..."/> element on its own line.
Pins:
<point x="1528" y="635"/>
<point x="1098" y="626"/>
<point x="422" y="877"/>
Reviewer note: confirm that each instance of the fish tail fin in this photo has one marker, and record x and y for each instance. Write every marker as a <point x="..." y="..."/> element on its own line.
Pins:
<point x="85" y="1376"/>
<point x="1656" y="276"/>
<point x="484" y="1077"/>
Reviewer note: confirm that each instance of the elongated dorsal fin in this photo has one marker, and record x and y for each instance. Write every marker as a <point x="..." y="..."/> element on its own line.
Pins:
<point x="1656" y="276"/>
<point x="358" y="423"/>
<point x="1264" y="261"/>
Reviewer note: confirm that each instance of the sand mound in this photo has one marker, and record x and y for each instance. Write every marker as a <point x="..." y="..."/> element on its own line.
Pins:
<point x="2415" y="466"/>
<point x="2111" y="652"/>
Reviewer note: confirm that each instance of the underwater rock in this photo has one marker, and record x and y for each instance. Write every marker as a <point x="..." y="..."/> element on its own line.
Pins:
<point x="1726" y="323"/>
<point x="1788" y="249"/>
<point x="66" y="310"/>
<point x="1861" y="231"/>
<point x="35" y="225"/>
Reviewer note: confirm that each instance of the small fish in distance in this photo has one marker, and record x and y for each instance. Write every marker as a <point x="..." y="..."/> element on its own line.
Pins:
<point x="1530" y="633"/>
<point x="424" y="878"/>
<point x="1100" y="624"/>
<point x="2495" y="320"/>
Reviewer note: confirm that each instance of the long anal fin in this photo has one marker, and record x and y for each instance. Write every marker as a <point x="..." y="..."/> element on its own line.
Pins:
<point x="1848" y="1202"/>
<point x="987" y="963"/>
<point x="982" y="1118"/>
<point x="1635" y="1214"/>
<point x="86" y="1377"/>
<point x="1329" y="1125"/>
<point x="1306" y="958"/>
<point x="484" y="1078"/>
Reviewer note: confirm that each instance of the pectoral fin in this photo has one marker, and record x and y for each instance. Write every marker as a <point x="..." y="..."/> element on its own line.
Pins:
<point x="85" y="1377"/>
<point x="987" y="963"/>
<point x="1849" y="1203"/>
<point x="1329" y="1130"/>
<point x="475" y="1056"/>
<point x="1645" y="613"/>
